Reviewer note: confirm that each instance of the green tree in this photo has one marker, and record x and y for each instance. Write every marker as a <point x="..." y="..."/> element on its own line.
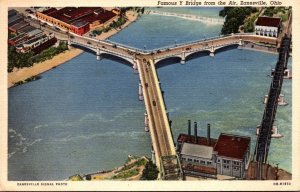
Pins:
<point x="150" y="172"/>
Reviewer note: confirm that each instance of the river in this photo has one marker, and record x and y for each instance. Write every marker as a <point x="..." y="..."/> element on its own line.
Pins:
<point x="84" y="116"/>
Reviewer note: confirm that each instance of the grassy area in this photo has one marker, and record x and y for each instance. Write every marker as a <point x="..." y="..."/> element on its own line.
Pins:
<point x="137" y="163"/>
<point x="76" y="178"/>
<point x="235" y="17"/>
<point x="277" y="12"/>
<point x="20" y="60"/>
<point x="249" y="23"/>
<point x="126" y="174"/>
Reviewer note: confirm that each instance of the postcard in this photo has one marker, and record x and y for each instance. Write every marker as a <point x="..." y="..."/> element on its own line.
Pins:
<point x="149" y="95"/>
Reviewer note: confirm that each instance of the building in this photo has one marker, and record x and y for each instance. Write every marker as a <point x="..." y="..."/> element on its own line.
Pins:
<point x="207" y="157"/>
<point x="78" y="20"/>
<point x="198" y="160"/>
<point x="18" y="26"/>
<point x="268" y="26"/>
<point x="14" y="19"/>
<point x="34" y="43"/>
<point x="232" y="154"/>
<point x="196" y="153"/>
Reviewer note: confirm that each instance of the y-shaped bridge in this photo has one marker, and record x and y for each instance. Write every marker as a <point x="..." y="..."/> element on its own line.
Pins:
<point x="144" y="62"/>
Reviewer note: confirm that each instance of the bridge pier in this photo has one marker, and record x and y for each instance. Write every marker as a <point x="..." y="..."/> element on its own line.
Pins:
<point x="98" y="52"/>
<point x="153" y="156"/>
<point x="240" y="44"/>
<point x="182" y="57"/>
<point x="146" y="122"/>
<point x="69" y="43"/>
<point x="135" y="67"/>
<point x="212" y="51"/>
<point x="141" y="97"/>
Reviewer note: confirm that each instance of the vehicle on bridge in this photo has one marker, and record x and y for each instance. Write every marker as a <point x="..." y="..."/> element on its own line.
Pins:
<point x="154" y="103"/>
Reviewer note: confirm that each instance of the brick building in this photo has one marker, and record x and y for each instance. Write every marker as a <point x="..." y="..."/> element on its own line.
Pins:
<point x="207" y="157"/>
<point x="78" y="20"/>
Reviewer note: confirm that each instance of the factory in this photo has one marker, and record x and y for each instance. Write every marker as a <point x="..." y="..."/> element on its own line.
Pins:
<point x="78" y="20"/>
<point x="200" y="156"/>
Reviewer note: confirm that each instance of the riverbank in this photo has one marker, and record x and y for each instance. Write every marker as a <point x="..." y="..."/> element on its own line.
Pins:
<point x="18" y="75"/>
<point x="130" y="171"/>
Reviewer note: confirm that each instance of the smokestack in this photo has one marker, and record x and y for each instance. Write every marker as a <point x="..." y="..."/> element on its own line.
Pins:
<point x="195" y="131"/>
<point x="208" y="134"/>
<point x="189" y="130"/>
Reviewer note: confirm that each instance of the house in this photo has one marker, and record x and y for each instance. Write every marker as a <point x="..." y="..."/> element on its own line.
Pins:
<point x="268" y="26"/>
<point x="232" y="155"/>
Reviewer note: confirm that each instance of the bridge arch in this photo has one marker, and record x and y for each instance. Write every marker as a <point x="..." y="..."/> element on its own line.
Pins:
<point x="226" y="48"/>
<point x="99" y="52"/>
<point x="171" y="57"/>
<point x="167" y="61"/>
<point x="116" y="58"/>
<point x="197" y="54"/>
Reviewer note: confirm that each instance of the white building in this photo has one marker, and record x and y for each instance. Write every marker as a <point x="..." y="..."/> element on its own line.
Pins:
<point x="268" y="26"/>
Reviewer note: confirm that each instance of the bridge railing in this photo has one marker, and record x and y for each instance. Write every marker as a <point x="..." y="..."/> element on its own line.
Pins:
<point x="105" y="50"/>
<point x="192" y="42"/>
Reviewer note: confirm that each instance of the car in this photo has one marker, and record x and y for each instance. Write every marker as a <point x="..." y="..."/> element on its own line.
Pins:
<point x="188" y="48"/>
<point x="114" y="46"/>
<point x="154" y="103"/>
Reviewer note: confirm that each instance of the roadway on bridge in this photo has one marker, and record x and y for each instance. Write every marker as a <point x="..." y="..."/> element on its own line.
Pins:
<point x="159" y="125"/>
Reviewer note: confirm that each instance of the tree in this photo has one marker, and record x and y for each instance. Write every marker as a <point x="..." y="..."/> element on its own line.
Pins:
<point x="150" y="172"/>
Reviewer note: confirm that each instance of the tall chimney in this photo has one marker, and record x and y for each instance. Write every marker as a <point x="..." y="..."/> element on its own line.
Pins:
<point x="195" y="131"/>
<point x="189" y="130"/>
<point x="208" y="134"/>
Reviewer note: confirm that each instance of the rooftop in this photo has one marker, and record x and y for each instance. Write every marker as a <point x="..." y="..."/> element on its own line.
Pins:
<point x="200" y="140"/>
<point x="48" y="11"/>
<point x="101" y="15"/>
<point x="14" y="18"/>
<point x="197" y="150"/>
<point x="79" y="23"/>
<point x="268" y="21"/>
<point x="69" y="14"/>
<point x="232" y="146"/>
<point x="12" y="12"/>
<point x="19" y="25"/>
<point x="27" y="29"/>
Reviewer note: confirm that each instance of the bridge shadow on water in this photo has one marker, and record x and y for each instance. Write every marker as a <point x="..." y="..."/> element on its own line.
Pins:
<point x="166" y="62"/>
<point x="105" y="56"/>
<point x="197" y="55"/>
<point x="227" y="48"/>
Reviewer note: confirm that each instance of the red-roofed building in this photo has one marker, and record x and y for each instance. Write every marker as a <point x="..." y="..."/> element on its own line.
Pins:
<point x="232" y="155"/>
<point x="204" y="156"/>
<point x="268" y="26"/>
<point x="78" y="20"/>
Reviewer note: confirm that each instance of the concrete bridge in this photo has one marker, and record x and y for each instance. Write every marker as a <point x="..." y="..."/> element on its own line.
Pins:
<point x="143" y="62"/>
<point x="208" y="20"/>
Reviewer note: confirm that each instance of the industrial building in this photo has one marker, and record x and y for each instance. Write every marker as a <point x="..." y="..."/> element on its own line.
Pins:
<point x="268" y="26"/>
<point x="78" y="20"/>
<point x="26" y="37"/>
<point x="208" y="157"/>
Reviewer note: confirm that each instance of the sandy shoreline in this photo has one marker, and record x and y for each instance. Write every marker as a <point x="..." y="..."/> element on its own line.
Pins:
<point x="39" y="68"/>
